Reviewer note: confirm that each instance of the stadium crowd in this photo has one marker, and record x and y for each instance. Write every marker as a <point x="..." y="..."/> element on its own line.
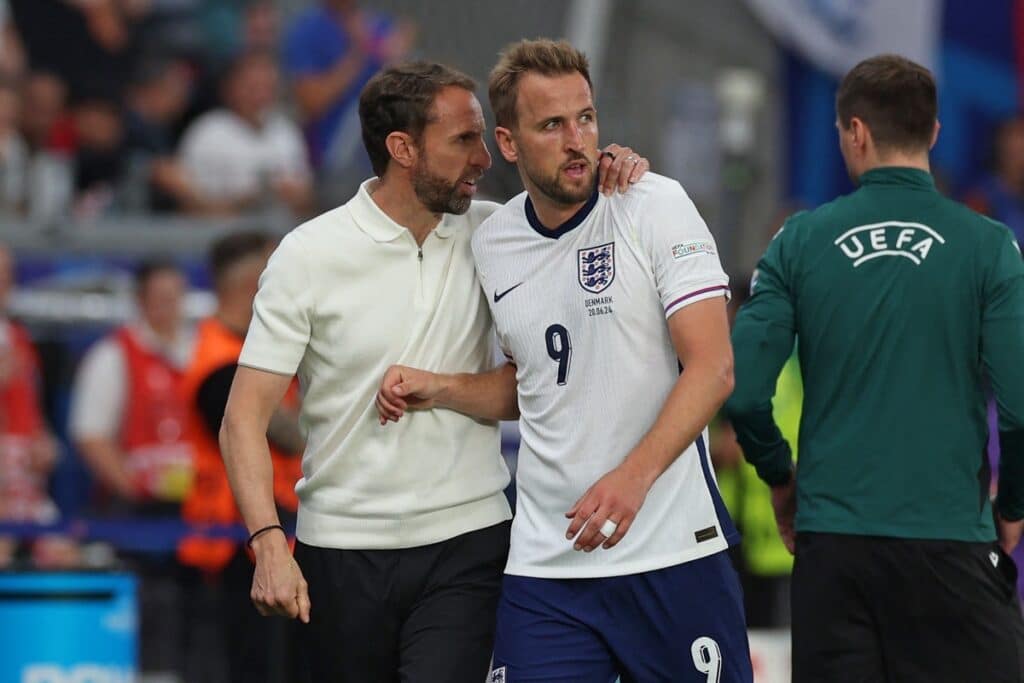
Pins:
<point x="198" y="108"/>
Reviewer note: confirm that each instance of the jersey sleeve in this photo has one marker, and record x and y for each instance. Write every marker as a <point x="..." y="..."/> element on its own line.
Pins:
<point x="282" y="312"/>
<point x="681" y="249"/>
<point x="762" y="339"/>
<point x="1002" y="338"/>
<point x="477" y="244"/>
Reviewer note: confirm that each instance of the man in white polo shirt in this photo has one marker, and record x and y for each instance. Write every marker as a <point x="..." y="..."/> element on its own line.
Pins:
<point x="403" y="532"/>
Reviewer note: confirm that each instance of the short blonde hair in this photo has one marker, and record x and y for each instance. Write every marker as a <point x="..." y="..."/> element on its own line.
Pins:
<point x="543" y="56"/>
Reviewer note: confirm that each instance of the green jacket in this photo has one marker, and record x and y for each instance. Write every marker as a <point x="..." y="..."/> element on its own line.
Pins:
<point x="749" y="499"/>
<point x="902" y="300"/>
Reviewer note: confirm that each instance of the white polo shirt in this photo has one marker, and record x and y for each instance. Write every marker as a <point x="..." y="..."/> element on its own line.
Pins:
<point x="343" y="297"/>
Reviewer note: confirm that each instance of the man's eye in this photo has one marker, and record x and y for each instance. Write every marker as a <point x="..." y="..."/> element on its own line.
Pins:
<point x="551" y="125"/>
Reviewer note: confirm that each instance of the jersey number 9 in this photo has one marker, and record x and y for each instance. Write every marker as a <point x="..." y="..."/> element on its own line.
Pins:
<point x="559" y="349"/>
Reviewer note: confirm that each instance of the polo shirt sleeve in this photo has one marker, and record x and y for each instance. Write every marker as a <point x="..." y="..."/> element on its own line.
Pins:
<point x="762" y="341"/>
<point x="1002" y="338"/>
<point x="681" y="249"/>
<point x="282" y="312"/>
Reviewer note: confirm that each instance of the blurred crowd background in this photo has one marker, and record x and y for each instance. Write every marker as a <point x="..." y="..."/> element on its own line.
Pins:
<point x="135" y="134"/>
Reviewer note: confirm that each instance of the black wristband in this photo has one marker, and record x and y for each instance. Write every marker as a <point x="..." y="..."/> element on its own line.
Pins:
<point x="256" y="533"/>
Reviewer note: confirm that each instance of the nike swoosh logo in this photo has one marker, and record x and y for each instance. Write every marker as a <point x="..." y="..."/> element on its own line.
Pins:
<point x="499" y="297"/>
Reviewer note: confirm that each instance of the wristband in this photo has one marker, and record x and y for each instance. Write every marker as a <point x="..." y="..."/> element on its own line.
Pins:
<point x="256" y="533"/>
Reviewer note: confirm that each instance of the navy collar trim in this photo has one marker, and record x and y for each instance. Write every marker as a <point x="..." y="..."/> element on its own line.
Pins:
<point x="569" y="225"/>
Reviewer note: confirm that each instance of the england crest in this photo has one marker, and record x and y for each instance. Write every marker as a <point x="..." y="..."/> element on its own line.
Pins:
<point x="596" y="267"/>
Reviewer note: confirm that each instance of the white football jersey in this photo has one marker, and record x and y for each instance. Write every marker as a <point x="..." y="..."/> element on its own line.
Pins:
<point x="582" y="312"/>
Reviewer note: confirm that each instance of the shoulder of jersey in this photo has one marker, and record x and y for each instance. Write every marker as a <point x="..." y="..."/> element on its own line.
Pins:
<point x="513" y="209"/>
<point x="650" y="186"/>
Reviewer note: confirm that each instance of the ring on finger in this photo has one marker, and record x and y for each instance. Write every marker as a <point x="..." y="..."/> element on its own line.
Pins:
<point x="608" y="528"/>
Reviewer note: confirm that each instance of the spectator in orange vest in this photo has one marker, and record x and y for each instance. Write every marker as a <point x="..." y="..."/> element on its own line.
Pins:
<point x="27" y="449"/>
<point x="254" y="645"/>
<point x="127" y="415"/>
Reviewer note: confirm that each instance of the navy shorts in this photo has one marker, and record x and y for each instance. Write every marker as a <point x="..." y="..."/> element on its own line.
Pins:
<point x="682" y="623"/>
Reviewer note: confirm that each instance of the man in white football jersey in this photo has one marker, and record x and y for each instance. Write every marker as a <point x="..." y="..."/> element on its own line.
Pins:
<point x="597" y="301"/>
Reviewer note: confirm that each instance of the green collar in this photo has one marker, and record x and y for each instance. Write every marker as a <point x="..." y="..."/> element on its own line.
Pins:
<point x="898" y="175"/>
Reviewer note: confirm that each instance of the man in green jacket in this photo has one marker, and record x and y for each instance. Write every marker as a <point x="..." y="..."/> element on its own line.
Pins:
<point x="903" y="301"/>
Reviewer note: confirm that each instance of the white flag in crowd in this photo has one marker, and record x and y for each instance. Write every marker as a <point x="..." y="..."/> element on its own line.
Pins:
<point x="836" y="34"/>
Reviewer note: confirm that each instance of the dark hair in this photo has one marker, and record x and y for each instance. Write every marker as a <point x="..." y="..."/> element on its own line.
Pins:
<point x="400" y="98"/>
<point x="236" y="247"/>
<point x="895" y="97"/>
<point x="151" y="267"/>
<point x="543" y="56"/>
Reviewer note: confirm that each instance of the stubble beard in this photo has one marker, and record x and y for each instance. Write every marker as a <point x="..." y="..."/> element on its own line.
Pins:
<point x="557" y="190"/>
<point x="436" y="193"/>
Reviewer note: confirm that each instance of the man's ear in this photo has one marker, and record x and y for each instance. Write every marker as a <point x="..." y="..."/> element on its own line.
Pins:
<point x="506" y="144"/>
<point x="402" y="149"/>
<point x="935" y="134"/>
<point x="860" y="134"/>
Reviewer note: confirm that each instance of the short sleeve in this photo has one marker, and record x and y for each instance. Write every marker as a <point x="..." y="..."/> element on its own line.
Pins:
<point x="294" y="161"/>
<point x="201" y="155"/>
<point x="681" y="249"/>
<point x="97" y="402"/>
<point x="282" y="312"/>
